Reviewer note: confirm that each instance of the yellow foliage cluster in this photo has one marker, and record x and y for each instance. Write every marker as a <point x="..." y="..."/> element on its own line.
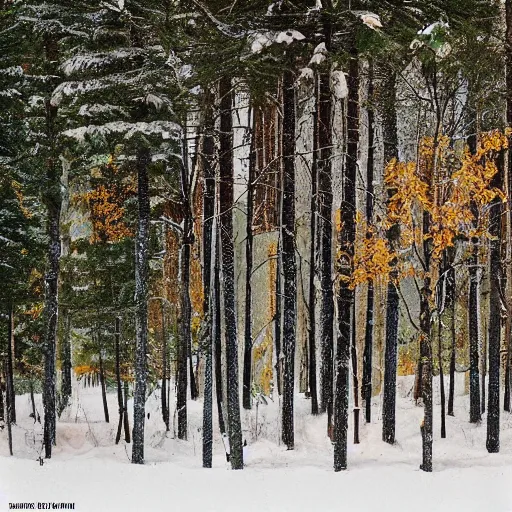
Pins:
<point x="372" y="259"/>
<point x="106" y="206"/>
<point x="448" y="192"/>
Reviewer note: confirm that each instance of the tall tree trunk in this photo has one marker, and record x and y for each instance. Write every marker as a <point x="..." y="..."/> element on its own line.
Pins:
<point x="8" y="413"/>
<point x="368" y="338"/>
<point x="102" y="382"/>
<point x="217" y="333"/>
<point x="474" y="314"/>
<point x="66" y="378"/>
<point x="355" y="378"/>
<point x="2" y="406"/>
<point x="345" y="269"/>
<point x="387" y="107"/>
<point x="493" y="395"/>
<point x="185" y="342"/>
<point x="450" y="293"/>
<point x="441" y="378"/>
<point x="325" y="198"/>
<point x="165" y="404"/>
<point x="228" y="270"/>
<point x="117" y="336"/>
<point x="208" y="164"/>
<point x="288" y="255"/>
<point x="125" y="409"/>
<point x="278" y="331"/>
<point x="10" y="368"/>
<point x="246" y="390"/>
<point x="141" y="304"/>
<point x="53" y="201"/>
<point x="312" y="261"/>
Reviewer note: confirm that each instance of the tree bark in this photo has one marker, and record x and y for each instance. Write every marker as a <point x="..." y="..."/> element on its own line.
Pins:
<point x="66" y="382"/>
<point x="117" y="336"/>
<point x="141" y="304"/>
<point x="387" y="107"/>
<point x="217" y="334"/>
<point x="10" y="368"/>
<point x="493" y="394"/>
<point x="325" y="198"/>
<point x="207" y="157"/>
<point x="246" y="390"/>
<point x="228" y="271"/>
<point x="345" y="268"/>
<point x="474" y="313"/>
<point x="368" y="338"/>
<point x="289" y="263"/>
<point x="103" y="383"/>
<point x="312" y="261"/>
<point x="165" y="364"/>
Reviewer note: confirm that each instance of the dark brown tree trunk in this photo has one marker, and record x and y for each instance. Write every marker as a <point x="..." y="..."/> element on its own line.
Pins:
<point x="246" y="390"/>
<point x="345" y="268"/>
<point x="207" y="158"/>
<point x="102" y="382"/>
<point x="289" y="263"/>
<point x="493" y="397"/>
<point x="125" y="409"/>
<point x="141" y="304"/>
<point x="387" y="107"/>
<point x="66" y="379"/>
<point x="368" y="338"/>
<point x="10" y="368"/>
<point x="117" y="336"/>
<point x="278" y="318"/>
<point x="325" y="198"/>
<point x="165" y="364"/>
<point x="32" y="401"/>
<point x="452" y="287"/>
<point x="217" y="334"/>
<point x="8" y="414"/>
<point x="226" y="195"/>
<point x="52" y="198"/>
<point x="355" y="378"/>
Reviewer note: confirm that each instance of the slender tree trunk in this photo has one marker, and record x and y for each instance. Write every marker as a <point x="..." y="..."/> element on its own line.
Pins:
<point x="288" y="255"/>
<point x="355" y="378"/>
<point x="228" y="271"/>
<point x="53" y="203"/>
<point x="217" y="334"/>
<point x="103" y="384"/>
<point x="387" y="106"/>
<point x="185" y="343"/>
<point x="165" y="364"/>
<point x="441" y="381"/>
<point x="345" y="269"/>
<point x="66" y="382"/>
<point x="8" y="414"/>
<point x="325" y="198"/>
<point x="125" y="409"/>
<point x="246" y="393"/>
<point x="32" y="401"/>
<point x="452" y="287"/>
<point x="141" y="304"/>
<point x="208" y="152"/>
<point x="493" y="403"/>
<point x="117" y="336"/>
<point x="10" y="368"/>
<point x="278" y="317"/>
<point x="474" y="314"/>
<point x="368" y="338"/>
<point x="312" y="263"/>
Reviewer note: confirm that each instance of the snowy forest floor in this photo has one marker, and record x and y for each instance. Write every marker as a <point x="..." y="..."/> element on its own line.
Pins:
<point x="89" y="469"/>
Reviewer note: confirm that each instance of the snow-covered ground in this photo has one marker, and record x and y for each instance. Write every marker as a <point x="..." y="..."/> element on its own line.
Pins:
<point x="88" y="469"/>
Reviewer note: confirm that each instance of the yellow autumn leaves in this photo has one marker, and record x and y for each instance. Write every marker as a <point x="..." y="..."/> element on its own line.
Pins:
<point x="454" y="188"/>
